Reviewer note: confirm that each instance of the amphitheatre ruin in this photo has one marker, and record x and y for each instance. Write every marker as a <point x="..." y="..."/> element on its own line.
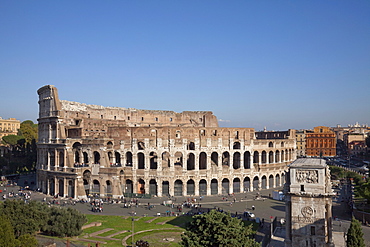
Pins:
<point x="112" y="151"/>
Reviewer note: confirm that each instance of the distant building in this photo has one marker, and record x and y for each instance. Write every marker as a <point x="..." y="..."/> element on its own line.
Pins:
<point x="321" y="142"/>
<point x="300" y="136"/>
<point x="9" y="127"/>
<point x="308" y="200"/>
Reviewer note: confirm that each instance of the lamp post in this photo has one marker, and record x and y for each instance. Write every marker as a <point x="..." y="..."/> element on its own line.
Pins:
<point x="133" y="227"/>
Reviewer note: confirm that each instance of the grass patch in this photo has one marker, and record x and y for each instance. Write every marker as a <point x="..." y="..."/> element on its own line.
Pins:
<point x="161" y="235"/>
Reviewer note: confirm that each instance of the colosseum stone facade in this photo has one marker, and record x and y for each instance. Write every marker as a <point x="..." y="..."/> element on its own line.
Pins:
<point x="110" y="151"/>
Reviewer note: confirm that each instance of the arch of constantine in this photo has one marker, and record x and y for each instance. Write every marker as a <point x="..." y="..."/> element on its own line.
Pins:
<point x="89" y="149"/>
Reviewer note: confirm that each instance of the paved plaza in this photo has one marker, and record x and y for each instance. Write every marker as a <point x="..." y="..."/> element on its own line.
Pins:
<point x="265" y="207"/>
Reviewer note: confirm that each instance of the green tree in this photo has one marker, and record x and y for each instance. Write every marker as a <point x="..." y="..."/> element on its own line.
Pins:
<point x="7" y="238"/>
<point x="355" y="234"/>
<point x="27" y="240"/>
<point x="25" y="218"/>
<point x="11" y="140"/>
<point x="65" y="222"/>
<point x="28" y="130"/>
<point x="217" y="229"/>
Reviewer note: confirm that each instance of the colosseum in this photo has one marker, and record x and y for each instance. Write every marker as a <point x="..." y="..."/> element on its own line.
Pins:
<point x="112" y="151"/>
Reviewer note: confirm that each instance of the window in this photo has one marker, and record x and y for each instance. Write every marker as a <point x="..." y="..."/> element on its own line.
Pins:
<point x="313" y="232"/>
<point x="302" y="187"/>
<point x="170" y="119"/>
<point x="142" y="118"/>
<point x="128" y="118"/>
<point x="156" y="119"/>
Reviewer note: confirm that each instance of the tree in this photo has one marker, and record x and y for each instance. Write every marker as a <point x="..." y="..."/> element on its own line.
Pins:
<point x="7" y="238"/>
<point x="355" y="234"/>
<point x="27" y="240"/>
<point x="11" y="140"/>
<point x="217" y="229"/>
<point x="64" y="222"/>
<point x="28" y="130"/>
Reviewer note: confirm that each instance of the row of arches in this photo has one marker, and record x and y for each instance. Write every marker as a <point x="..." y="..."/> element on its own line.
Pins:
<point x="185" y="187"/>
<point x="203" y="160"/>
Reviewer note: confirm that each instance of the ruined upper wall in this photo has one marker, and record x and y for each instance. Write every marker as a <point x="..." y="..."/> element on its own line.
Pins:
<point x="50" y="105"/>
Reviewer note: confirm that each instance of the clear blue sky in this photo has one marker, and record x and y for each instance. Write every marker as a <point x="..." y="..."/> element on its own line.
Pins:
<point x="279" y="64"/>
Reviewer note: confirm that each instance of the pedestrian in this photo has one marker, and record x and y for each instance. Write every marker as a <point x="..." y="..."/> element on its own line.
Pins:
<point x="253" y="208"/>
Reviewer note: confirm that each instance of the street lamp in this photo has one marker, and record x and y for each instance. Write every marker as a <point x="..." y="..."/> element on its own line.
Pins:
<point x="133" y="227"/>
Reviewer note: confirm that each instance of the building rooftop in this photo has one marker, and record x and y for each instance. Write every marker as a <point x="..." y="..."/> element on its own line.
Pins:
<point x="309" y="163"/>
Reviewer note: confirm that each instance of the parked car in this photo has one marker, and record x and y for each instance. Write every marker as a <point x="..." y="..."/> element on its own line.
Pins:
<point x="248" y="214"/>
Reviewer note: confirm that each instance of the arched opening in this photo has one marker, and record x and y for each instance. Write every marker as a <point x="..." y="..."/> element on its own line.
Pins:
<point x="264" y="182"/>
<point x="129" y="188"/>
<point x="61" y="187"/>
<point x="165" y="188"/>
<point x="109" y="145"/>
<point x="256" y="183"/>
<point x="118" y="158"/>
<point x="141" y="186"/>
<point x="71" y="189"/>
<point x="52" y="158"/>
<point x="190" y="187"/>
<point x="203" y="187"/>
<point x="271" y="145"/>
<point x="86" y="158"/>
<point x="214" y="187"/>
<point x="247" y="184"/>
<point x="190" y="162"/>
<point x="264" y="158"/>
<point x="153" y="190"/>
<point x="256" y="158"/>
<point x="165" y="159"/>
<point x="271" y="181"/>
<point x="128" y="159"/>
<point x="277" y="156"/>
<point x="225" y="186"/>
<point x="52" y="187"/>
<point x="277" y="180"/>
<point x="282" y="156"/>
<point x="178" y="188"/>
<point x="236" y="160"/>
<point x="271" y="157"/>
<point x="96" y="157"/>
<point x="110" y="158"/>
<point x="225" y="159"/>
<point x="236" y="145"/>
<point x="87" y="180"/>
<point x="76" y="148"/>
<point x="236" y="185"/>
<point x="191" y="146"/>
<point x="140" y="145"/>
<point x="61" y="158"/>
<point x="202" y="161"/>
<point x="247" y="160"/>
<point x="141" y="161"/>
<point x="95" y="187"/>
<point x="178" y="159"/>
<point x="108" y="188"/>
<point x="77" y="157"/>
<point x="214" y="159"/>
<point x="153" y="160"/>
<point x="283" y="178"/>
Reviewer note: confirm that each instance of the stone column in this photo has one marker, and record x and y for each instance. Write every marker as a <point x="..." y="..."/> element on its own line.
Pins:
<point x="329" y="226"/>
<point x="288" y="223"/>
<point x="196" y="188"/>
<point x="159" y="187"/>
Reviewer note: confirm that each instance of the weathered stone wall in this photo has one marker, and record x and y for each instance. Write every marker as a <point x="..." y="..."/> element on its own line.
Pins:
<point x="87" y="149"/>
